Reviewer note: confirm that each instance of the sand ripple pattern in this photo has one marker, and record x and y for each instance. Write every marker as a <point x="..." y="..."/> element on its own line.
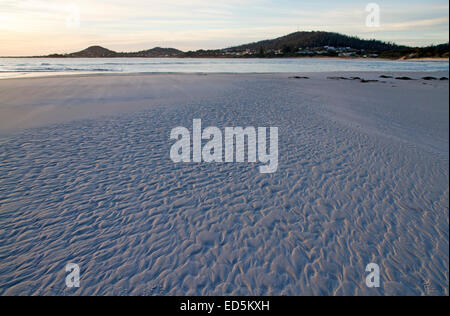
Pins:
<point x="103" y="193"/>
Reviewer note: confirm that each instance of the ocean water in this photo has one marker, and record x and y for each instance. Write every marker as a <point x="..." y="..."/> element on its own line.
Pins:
<point x="17" y="67"/>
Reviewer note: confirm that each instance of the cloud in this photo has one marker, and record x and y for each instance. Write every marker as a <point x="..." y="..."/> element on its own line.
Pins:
<point x="417" y="24"/>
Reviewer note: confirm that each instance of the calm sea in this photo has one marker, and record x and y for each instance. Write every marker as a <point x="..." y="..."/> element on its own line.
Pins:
<point x="18" y="67"/>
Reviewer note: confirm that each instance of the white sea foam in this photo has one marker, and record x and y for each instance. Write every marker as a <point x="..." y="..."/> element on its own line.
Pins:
<point x="50" y="66"/>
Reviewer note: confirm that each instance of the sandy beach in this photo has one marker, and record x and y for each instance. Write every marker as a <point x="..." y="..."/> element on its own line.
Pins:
<point x="86" y="177"/>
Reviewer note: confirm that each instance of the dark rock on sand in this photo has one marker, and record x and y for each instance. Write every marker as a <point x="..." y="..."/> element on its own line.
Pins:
<point x="366" y="81"/>
<point x="338" y="78"/>
<point x="352" y="78"/>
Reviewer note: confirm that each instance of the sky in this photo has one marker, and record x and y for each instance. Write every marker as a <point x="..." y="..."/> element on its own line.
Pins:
<point x="37" y="27"/>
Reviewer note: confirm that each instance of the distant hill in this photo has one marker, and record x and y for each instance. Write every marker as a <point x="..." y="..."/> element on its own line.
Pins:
<point x="157" y="52"/>
<point x="299" y="44"/>
<point x="94" y="51"/>
<point x="303" y="40"/>
<point x="101" y="52"/>
<point x="434" y="51"/>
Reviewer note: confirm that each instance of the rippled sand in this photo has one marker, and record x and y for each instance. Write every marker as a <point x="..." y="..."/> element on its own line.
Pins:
<point x="86" y="177"/>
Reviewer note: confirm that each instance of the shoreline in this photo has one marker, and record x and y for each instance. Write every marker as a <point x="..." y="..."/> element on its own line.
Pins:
<point x="426" y="59"/>
<point x="240" y="58"/>
<point x="44" y="67"/>
<point x="43" y="75"/>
